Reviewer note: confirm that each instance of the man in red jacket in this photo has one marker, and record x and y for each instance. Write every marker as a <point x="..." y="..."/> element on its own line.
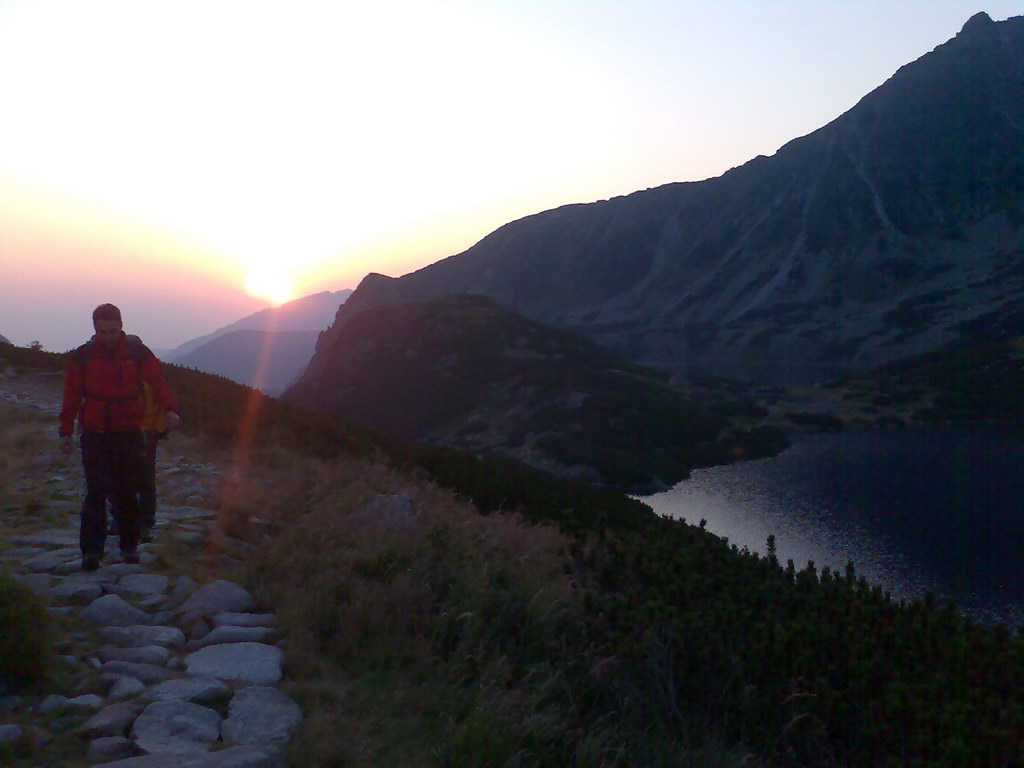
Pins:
<point x="103" y="390"/>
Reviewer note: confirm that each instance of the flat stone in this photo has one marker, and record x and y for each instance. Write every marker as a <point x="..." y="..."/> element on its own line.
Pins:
<point x="142" y="635"/>
<point x="125" y="688"/>
<point x="234" y="757"/>
<point x="9" y="733"/>
<point x="200" y="690"/>
<point x="52" y="703"/>
<point x="114" y="720"/>
<point x="147" y="654"/>
<point x="226" y="634"/>
<point x="88" y="701"/>
<point x="45" y="562"/>
<point x="151" y="602"/>
<point x="107" y="748"/>
<point x="76" y="593"/>
<point x="244" y="619"/>
<point x="183" y="588"/>
<point x="198" y="627"/>
<point x="144" y="654"/>
<point x="252" y="663"/>
<point x="123" y="569"/>
<point x="112" y="611"/>
<point x="218" y="597"/>
<point x="141" y="585"/>
<point x="147" y="673"/>
<point x="176" y="727"/>
<point x="68" y="568"/>
<point x="92" y="577"/>
<point x="261" y="715"/>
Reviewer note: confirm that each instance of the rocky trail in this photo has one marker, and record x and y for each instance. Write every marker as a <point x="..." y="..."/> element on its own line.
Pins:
<point x="154" y="668"/>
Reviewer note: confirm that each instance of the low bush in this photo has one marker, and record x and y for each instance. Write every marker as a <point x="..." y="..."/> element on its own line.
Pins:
<point x="25" y="655"/>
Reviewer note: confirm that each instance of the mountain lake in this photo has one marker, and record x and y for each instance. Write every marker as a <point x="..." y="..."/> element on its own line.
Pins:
<point x="920" y="509"/>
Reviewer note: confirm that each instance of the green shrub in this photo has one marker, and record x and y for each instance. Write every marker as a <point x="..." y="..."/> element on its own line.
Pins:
<point x="25" y="654"/>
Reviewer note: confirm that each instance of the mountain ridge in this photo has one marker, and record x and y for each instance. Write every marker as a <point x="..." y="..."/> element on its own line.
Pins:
<point x="464" y="372"/>
<point x="264" y="360"/>
<point x="878" y="236"/>
<point x="314" y="312"/>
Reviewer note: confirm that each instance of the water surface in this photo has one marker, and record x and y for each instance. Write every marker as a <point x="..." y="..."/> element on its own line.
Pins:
<point x="929" y="508"/>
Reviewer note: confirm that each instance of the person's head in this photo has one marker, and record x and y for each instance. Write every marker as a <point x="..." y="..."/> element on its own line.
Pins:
<point x="106" y="321"/>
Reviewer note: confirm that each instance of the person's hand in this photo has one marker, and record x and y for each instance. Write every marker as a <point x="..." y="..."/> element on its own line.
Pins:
<point x="66" y="445"/>
<point x="172" y="421"/>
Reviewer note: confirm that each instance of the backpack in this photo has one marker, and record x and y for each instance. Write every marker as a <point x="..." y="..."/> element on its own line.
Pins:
<point x="137" y="353"/>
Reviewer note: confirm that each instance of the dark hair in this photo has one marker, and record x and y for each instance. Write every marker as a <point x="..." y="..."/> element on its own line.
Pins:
<point x="106" y="312"/>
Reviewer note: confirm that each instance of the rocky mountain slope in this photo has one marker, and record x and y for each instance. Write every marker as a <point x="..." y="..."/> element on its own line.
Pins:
<point x="310" y="313"/>
<point x="259" y="359"/>
<point x="892" y="231"/>
<point x="462" y="371"/>
<point x="3" y="340"/>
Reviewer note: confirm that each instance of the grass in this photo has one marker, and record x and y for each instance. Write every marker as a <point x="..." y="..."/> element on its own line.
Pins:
<point x="520" y="620"/>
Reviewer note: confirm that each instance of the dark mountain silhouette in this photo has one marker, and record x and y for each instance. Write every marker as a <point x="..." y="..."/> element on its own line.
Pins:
<point x="3" y="340"/>
<point x="462" y="371"/>
<point x="892" y="231"/>
<point x="310" y="313"/>
<point x="265" y="361"/>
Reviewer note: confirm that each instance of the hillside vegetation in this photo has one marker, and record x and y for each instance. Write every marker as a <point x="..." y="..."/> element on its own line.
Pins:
<point x="465" y="372"/>
<point x="574" y="627"/>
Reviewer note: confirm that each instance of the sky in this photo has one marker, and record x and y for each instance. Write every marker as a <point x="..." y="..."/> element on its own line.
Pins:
<point x="195" y="161"/>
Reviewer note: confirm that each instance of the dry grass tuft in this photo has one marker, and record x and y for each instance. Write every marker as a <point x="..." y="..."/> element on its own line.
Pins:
<point x="398" y="624"/>
<point x="28" y="449"/>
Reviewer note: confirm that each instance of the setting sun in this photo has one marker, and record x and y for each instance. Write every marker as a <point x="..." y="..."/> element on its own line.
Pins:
<point x="269" y="283"/>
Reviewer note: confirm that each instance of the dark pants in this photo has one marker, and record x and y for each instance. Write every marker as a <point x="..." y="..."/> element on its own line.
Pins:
<point x="111" y="462"/>
<point x="147" y="481"/>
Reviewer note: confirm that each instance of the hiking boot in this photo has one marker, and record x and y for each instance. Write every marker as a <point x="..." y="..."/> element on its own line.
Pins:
<point x="129" y="555"/>
<point x="90" y="561"/>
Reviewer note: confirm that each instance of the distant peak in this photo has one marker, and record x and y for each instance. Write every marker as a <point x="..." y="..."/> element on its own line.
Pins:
<point x="977" y="21"/>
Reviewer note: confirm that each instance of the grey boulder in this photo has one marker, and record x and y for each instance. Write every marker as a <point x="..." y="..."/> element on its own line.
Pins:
<point x="218" y="597"/>
<point x="107" y="748"/>
<point x="147" y="654"/>
<point x="146" y="673"/>
<point x="176" y="727"/>
<point x="112" y="721"/>
<point x="252" y="663"/>
<point x="143" y="635"/>
<point x="227" y="634"/>
<point x="261" y="715"/>
<point x="112" y="611"/>
<point x="76" y="592"/>
<point x="200" y="690"/>
<point x="141" y="585"/>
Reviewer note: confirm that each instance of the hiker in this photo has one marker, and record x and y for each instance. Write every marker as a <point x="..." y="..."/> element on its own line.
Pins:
<point x="103" y="390"/>
<point x="154" y="429"/>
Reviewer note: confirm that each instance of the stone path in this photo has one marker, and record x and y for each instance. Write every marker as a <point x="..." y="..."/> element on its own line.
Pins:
<point x="187" y="674"/>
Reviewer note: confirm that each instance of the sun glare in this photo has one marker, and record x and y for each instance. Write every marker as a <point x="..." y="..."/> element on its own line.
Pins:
<point x="311" y="129"/>
<point x="268" y="283"/>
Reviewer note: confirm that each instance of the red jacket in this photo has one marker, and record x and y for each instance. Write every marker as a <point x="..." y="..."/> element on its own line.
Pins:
<point x="103" y="387"/>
